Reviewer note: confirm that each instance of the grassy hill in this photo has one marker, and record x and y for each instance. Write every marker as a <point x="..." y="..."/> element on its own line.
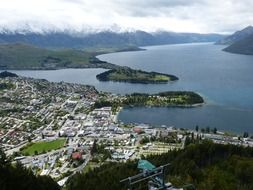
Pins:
<point x="24" y="56"/>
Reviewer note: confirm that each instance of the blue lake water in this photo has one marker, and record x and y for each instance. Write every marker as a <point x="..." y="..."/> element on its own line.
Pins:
<point x="225" y="80"/>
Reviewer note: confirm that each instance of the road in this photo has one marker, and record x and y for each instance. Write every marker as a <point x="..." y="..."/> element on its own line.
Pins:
<point x="78" y="169"/>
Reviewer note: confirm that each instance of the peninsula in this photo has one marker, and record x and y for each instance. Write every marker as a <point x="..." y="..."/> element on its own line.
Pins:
<point x="169" y="98"/>
<point x="135" y="76"/>
<point x="27" y="57"/>
<point x="162" y="99"/>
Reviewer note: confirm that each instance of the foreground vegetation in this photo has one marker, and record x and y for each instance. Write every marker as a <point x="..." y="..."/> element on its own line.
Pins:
<point x="42" y="147"/>
<point x="14" y="177"/>
<point x="6" y="86"/>
<point x="135" y="76"/>
<point x="206" y="165"/>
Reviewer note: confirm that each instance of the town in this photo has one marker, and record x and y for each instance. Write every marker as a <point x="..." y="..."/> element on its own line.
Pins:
<point x="59" y="129"/>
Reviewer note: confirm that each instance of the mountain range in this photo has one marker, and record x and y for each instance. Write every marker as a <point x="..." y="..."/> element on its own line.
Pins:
<point x="243" y="46"/>
<point x="237" y="36"/>
<point x="240" y="42"/>
<point x="104" y="38"/>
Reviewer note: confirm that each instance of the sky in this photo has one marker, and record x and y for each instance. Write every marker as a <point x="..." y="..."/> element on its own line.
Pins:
<point x="202" y="16"/>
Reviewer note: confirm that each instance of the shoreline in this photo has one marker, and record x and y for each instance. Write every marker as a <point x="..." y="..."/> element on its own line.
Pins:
<point x="169" y="106"/>
<point x="94" y="65"/>
<point x="130" y="75"/>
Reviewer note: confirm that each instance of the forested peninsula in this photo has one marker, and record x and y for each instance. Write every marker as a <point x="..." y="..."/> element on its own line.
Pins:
<point x="135" y="76"/>
<point x="170" y="98"/>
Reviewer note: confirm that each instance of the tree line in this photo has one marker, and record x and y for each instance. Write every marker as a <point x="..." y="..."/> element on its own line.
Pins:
<point x="205" y="165"/>
<point x="17" y="177"/>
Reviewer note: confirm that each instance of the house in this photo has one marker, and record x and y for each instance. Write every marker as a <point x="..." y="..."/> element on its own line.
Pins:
<point x="77" y="156"/>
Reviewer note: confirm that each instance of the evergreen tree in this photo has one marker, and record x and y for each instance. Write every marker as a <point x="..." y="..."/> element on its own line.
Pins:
<point x="17" y="177"/>
<point x="206" y="165"/>
<point x="245" y="135"/>
<point x="197" y="128"/>
<point x="214" y="130"/>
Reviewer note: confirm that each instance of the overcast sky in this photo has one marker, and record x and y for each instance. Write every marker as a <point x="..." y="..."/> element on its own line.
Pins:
<point x="204" y="16"/>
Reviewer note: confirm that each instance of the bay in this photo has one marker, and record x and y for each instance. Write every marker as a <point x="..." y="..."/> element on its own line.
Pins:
<point x="225" y="80"/>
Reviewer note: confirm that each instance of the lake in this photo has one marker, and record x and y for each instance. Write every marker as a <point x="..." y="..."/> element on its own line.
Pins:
<point x="223" y="79"/>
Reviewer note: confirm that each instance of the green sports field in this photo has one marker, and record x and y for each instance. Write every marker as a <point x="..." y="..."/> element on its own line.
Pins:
<point x="45" y="146"/>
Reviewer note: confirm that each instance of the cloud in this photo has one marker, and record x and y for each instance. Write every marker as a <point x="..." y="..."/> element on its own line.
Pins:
<point x="150" y="15"/>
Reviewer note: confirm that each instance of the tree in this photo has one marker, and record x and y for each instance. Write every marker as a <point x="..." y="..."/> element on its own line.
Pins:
<point x="94" y="148"/>
<point x="71" y="117"/>
<point x="208" y="129"/>
<point x="106" y="155"/>
<point x="206" y="165"/>
<point x="144" y="140"/>
<point x="3" y="158"/>
<point x="192" y="135"/>
<point x="197" y="128"/>
<point x="16" y="176"/>
<point x="29" y="139"/>
<point x="214" y="130"/>
<point x="187" y="141"/>
<point x="245" y="135"/>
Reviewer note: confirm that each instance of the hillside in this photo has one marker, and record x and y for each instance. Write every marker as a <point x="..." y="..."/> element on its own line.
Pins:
<point x="244" y="46"/>
<point x="23" y="56"/>
<point x="18" y="177"/>
<point x="237" y="36"/>
<point x="175" y="38"/>
<point x="207" y="166"/>
<point x="104" y="39"/>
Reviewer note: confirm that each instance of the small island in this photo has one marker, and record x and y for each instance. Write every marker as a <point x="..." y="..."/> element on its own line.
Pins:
<point x="135" y="76"/>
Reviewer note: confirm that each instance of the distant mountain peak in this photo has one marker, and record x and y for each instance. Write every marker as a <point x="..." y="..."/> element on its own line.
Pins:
<point x="248" y="28"/>
<point x="243" y="46"/>
<point x="237" y="36"/>
<point x="28" y="28"/>
<point x="101" y="38"/>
